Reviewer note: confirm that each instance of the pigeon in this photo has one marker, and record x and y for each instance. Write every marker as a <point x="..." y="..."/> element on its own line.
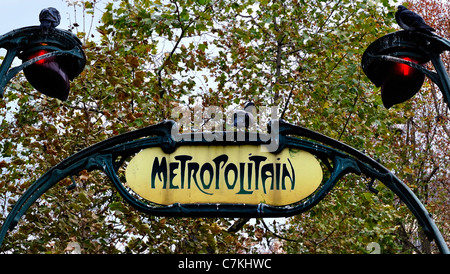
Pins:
<point x="49" y="18"/>
<point x="411" y="21"/>
<point x="244" y="118"/>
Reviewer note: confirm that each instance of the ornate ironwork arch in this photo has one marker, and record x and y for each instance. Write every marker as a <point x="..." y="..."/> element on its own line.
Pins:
<point x="108" y="156"/>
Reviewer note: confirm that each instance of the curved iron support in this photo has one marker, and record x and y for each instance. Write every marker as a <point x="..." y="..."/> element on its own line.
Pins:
<point x="375" y="170"/>
<point x="108" y="156"/>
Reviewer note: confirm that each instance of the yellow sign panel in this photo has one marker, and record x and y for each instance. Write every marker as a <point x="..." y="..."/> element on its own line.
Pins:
<point x="243" y="174"/>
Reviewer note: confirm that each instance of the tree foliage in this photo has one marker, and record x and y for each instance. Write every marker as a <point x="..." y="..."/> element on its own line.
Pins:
<point x="151" y="56"/>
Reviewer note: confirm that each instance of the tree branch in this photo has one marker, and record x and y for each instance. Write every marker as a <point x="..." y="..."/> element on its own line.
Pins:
<point x="436" y="106"/>
<point x="277" y="70"/>
<point x="177" y="43"/>
<point x="287" y="102"/>
<point x="169" y="57"/>
<point x="85" y="108"/>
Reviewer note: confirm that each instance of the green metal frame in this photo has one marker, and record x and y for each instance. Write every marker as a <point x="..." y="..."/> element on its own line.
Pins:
<point x="108" y="156"/>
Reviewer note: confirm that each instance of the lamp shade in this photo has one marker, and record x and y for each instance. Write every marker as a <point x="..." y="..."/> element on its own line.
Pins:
<point x="399" y="82"/>
<point x="48" y="76"/>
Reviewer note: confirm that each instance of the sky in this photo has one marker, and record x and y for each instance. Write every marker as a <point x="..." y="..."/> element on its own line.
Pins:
<point x="22" y="13"/>
<point x="15" y="14"/>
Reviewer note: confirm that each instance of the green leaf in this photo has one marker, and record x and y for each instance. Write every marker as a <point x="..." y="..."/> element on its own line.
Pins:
<point x="83" y="196"/>
<point x="203" y="46"/>
<point x="107" y="18"/>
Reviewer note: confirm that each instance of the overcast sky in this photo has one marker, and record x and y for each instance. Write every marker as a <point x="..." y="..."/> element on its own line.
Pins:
<point x="22" y="13"/>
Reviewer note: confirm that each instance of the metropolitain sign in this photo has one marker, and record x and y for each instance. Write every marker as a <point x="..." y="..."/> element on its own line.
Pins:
<point x="245" y="174"/>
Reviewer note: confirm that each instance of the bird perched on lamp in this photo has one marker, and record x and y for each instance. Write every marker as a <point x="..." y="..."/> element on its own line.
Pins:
<point x="49" y="18"/>
<point x="411" y="21"/>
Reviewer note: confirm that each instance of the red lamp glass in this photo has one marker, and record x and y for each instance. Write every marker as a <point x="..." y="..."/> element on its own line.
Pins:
<point x="48" y="76"/>
<point x="400" y="82"/>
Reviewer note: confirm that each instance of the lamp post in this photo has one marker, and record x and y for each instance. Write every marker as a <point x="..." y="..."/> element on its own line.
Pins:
<point x="395" y="62"/>
<point x="51" y="57"/>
